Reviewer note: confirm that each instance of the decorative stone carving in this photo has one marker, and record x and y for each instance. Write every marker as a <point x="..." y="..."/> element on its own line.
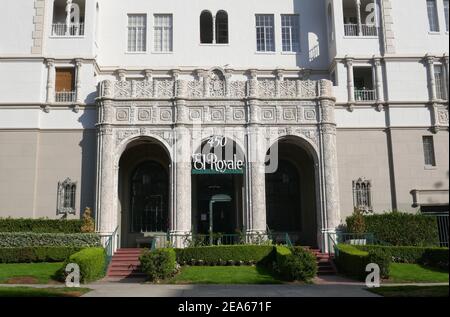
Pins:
<point x="125" y="134"/>
<point x="144" y="115"/>
<point x="236" y="89"/>
<point x="122" y="89"/>
<point x="288" y="89"/>
<point x="216" y="84"/>
<point x="123" y="114"/>
<point x="164" y="88"/>
<point x="143" y="89"/>
<point x="195" y="89"/>
<point x="308" y="89"/>
<point x="443" y="116"/>
<point x="267" y="88"/>
<point x="66" y="197"/>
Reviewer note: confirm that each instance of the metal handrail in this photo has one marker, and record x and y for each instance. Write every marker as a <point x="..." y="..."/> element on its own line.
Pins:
<point x="110" y="246"/>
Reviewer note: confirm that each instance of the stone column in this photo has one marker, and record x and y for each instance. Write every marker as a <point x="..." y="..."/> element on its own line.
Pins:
<point x="51" y="77"/>
<point x="432" y="81"/>
<point x="257" y="223"/>
<point x="350" y="80"/>
<point x="181" y="223"/>
<point x="379" y="80"/>
<point x="78" y="65"/>
<point x="68" y="11"/>
<point x="358" y="16"/>
<point x="330" y="196"/>
<point x="106" y="215"/>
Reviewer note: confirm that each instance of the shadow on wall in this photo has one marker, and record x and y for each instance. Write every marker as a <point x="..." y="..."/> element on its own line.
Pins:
<point x="313" y="45"/>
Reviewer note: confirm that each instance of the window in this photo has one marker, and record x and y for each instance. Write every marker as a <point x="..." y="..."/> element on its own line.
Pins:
<point x="66" y="197"/>
<point x="68" y="23"/>
<point x="363" y="83"/>
<point x="440" y="82"/>
<point x="65" y="85"/>
<point x="428" y="150"/>
<point x="433" y="16"/>
<point x="290" y="33"/>
<point x="362" y="196"/>
<point x="446" y="14"/>
<point x="265" y="40"/>
<point x="206" y="28"/>
<point x="222" y="27"/>
<point x="137" y="32"/>
<point x="163" y="33"/>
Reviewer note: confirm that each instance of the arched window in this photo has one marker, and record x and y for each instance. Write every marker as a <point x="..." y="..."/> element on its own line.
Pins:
<point x="222" y="27"/>
<point x="66" y="197"/>
<point x="206" y="28"/>
<point x="362" y="195"/>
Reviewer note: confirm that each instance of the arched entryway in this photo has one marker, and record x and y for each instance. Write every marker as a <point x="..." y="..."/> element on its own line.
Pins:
<point x="218" y="170"/>
<point x="144" y="191"/>
<point x="291" y="192"/>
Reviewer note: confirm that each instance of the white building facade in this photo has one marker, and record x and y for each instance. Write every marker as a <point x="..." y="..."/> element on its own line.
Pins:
<point x="108" y="104"/>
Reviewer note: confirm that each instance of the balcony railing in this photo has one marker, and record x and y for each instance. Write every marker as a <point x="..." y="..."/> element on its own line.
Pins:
<point x="366" y="30"/>
<point x="65" y="96"/>
<point x="364" y="95"/>
<point x="74" y="29"/>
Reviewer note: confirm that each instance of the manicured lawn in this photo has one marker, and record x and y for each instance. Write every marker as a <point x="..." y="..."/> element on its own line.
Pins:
<point x="411" y="291"/>
<point x="28" y="273"/>
<point x="415" y="273"/>
<point x="41" y="292"/>
<point x="224" y="275"/>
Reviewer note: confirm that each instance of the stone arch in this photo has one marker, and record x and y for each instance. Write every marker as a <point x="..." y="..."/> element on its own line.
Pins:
<point x="297" y="214"/>
<point x="126" y="141"/>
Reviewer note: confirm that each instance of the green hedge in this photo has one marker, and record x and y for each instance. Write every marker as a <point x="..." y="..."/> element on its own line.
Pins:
<point x="36" y="254"/>
<point x="40" y="225"/>
<point x="352" y="261"/>
<point x="159" y="264"/>
<point x="401" y="229"/>
<point x="225" y="255"/>
<point x="295" y="264"/>
<point x="437" y="257"/>
<point x="92" y="263"/>
<point x="30" y="239"/>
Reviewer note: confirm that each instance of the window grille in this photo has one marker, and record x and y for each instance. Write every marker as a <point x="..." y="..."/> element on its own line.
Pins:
<point x="362" y="195"/>
<point x="66" y="197"/>
<point x="428" y="150"/>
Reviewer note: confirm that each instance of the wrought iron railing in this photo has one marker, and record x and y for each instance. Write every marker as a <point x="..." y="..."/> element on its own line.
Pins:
<point x="352" y="29"/>
<point x="111" y="244"/>
<point x="365" y="95"/>
<point x="74" y="29"/>
<point x="65" y="96"/>
<point x="442" y="220"/>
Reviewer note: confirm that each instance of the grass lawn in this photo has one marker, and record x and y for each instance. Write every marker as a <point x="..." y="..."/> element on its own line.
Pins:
<point x="28" y="273"/>
<point x="41" y="292"/>
<point x="411" y="291"/>
<point x="415" y="273"/>
<point x="224" y="275"/>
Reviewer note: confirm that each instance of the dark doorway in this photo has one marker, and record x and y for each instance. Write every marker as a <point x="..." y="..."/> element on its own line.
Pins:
<point x="226" y="215"/>
<point x="283" y="198"/>
<point x="149" y="198"/>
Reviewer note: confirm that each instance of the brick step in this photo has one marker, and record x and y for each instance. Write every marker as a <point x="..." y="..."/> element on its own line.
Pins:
<point x="124" y="266"/>
<point x="128" y="275"/>
<point x="125" y="258"/>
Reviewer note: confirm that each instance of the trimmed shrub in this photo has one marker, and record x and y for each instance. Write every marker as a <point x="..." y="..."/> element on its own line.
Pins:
<point x="92" y="263"/>
<point x="258" y="254"/>
<point x="40" y="225"/>
<point x="296" y="264"/>
<point x="382" y="259"/>
<point x="401" y="229"/>
<point x="31" y="239"/>
<point x="158" y="264"/>
<point x="436" y="257"/>
<point x="352" y="261"/>
<point x="36" y="254"/>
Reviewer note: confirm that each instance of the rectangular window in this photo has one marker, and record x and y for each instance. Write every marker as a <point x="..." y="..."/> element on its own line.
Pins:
<point x="290" y="33"/>
<point x="440" y="82"/>
<point x="137" y="32"/>
<point x="265" y="39"/>
<point x="65" y="85"/>
<point x="446" y="14"/>
<point x="428" y="149"/>
<point x="163" y="33"/>
<point x="433" y="19"/>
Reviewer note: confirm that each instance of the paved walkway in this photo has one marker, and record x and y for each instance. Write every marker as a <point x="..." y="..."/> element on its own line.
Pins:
<point x="323" y="287"/>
